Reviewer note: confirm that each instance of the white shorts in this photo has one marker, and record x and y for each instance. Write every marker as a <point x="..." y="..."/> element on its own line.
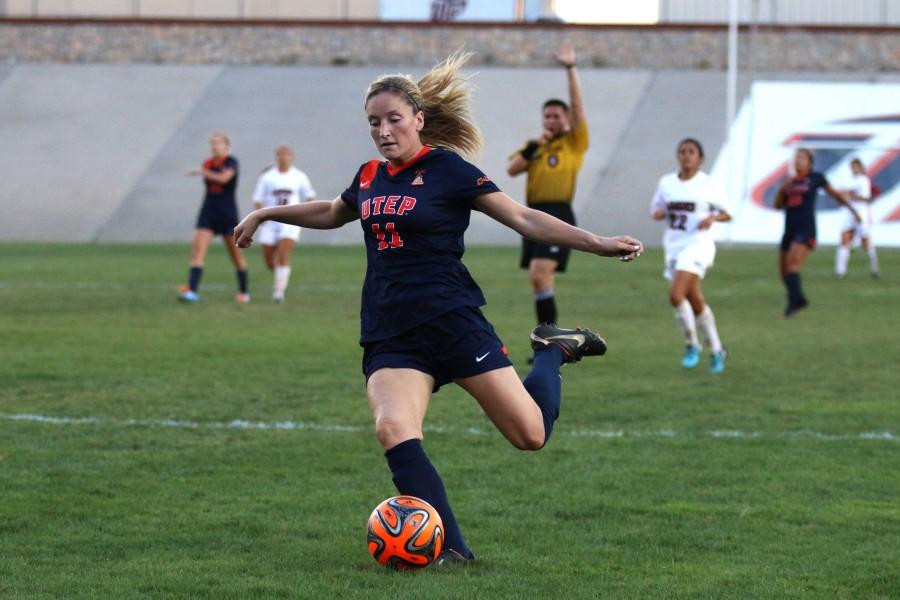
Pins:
<point x="862" y="229"/>
<point x="694" y="258"/>
<point x="270" y="232"/>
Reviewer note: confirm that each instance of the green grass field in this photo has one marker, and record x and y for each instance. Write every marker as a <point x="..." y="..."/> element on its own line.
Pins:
<point x="165" y="472"/>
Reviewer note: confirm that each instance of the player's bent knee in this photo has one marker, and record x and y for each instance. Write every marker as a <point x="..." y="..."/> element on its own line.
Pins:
<point x="528" y="437"/>
<point x="391" y="432"/>
<point x="531" y="443"/>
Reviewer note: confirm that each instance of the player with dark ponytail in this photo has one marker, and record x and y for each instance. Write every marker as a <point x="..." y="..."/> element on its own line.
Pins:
<point x="689" y="201"/>
<point x="797" y="196"/>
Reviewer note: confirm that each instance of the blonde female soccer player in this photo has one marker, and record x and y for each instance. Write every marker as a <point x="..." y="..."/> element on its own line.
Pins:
<point x="690" y="203"/>
<point x="421" y="322"/>
<point x="218" y="216"/>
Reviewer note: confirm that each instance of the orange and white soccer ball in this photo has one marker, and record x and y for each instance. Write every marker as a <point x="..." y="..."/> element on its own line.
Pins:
<point x="405" y="533"/>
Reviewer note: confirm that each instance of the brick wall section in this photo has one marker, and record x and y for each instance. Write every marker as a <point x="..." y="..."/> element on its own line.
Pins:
<point x="664" y="47"/>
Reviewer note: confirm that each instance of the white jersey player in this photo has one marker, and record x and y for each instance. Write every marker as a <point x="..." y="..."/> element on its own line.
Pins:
<point x="281" y="185"/>
<point x="690" y="203"/>
<point x="860" y="196"/>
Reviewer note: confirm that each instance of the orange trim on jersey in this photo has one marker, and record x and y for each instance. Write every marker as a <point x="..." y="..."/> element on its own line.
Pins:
<point x="392" y="170"/>
<point x="367" y="176"/>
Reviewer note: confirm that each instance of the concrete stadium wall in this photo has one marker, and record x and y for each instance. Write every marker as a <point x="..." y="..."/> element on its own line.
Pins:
<point x="99" y="152"/>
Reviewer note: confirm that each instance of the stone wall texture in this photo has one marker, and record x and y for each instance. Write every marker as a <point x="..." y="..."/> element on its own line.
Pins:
<point x="663" y="47"/>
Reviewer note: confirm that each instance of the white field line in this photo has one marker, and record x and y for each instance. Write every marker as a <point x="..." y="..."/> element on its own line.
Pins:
<point x="734" y="434"/>
<point x="100" y="285"/>
<point x="112" y="285"/>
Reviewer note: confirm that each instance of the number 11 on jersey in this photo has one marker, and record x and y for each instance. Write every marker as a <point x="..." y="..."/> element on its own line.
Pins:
<point x="389" y="228"/>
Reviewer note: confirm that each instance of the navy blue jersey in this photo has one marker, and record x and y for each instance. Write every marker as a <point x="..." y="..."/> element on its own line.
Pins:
<point x="800" y="204"/>
<point x="221" y="191"/>
<point x="413" y="219"/>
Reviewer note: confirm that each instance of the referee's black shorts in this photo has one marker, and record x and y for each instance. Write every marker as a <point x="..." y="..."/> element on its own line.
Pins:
<point x="563" y="212"/>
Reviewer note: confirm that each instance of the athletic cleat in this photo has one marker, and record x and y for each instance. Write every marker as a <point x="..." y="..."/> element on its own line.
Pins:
<point x="875" y="275"/>
<point x="187" y="296"/>
<point x="575" y="343"/>
<point x="792" y="309"/>
<point x="449" y="556"/>
<point x="717" y="362"/>
<point x="277" y="299"/>
<point x="691" y="357"/>
<point x="242" y="298"/>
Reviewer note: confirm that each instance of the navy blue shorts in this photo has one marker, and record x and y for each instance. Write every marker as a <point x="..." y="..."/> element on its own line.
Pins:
<point x="563" y="212"/>
<point x="220" y="216"/>
<point x="807" y="238"/>
<point x="457" y="344"/>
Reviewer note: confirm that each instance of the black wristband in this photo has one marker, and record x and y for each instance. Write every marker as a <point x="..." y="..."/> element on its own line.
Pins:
<point x="529" y="150"/>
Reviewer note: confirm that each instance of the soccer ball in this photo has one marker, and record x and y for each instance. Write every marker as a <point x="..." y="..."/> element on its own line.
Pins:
<point x="405" y="533"/>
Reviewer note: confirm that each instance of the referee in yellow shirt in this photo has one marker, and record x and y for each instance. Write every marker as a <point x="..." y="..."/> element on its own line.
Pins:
<point x="552" y="162"/>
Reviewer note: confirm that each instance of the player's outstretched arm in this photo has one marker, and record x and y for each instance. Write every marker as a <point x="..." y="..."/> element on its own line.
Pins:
<point x="841" y="199"/>
<point x="541" y="227"/>
<point x="317" y="214"/>
<point x="214" y="176"/>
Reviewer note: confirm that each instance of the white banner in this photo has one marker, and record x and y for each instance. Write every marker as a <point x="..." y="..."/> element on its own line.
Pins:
<point x="838" y="122"/>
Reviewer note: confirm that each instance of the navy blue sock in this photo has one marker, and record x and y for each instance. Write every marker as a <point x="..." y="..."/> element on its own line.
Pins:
<point x="194" y="278"/>
<point x="242" y="281"/>
<point x="414" y="475"/>
<point x="546" y="309"/>
<point x="795" y="292"/>
<point x="545" y="384"/>
<point x="545" y="306"/>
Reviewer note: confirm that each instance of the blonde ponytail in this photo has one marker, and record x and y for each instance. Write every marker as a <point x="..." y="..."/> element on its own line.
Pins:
<point x="443" y="96"/>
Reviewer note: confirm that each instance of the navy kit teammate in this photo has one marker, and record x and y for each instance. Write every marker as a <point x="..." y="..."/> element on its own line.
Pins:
<point x="797" y="196"/>
<point x="552" y="162"/>
<point x="218" y="216"/>
<point x="421" y="322"/>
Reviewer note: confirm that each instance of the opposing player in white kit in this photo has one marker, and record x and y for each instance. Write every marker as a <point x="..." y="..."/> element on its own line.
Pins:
<point x="280" y="185"/>
<point x="860" y="196"/>
<point x="690" y="203"/>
